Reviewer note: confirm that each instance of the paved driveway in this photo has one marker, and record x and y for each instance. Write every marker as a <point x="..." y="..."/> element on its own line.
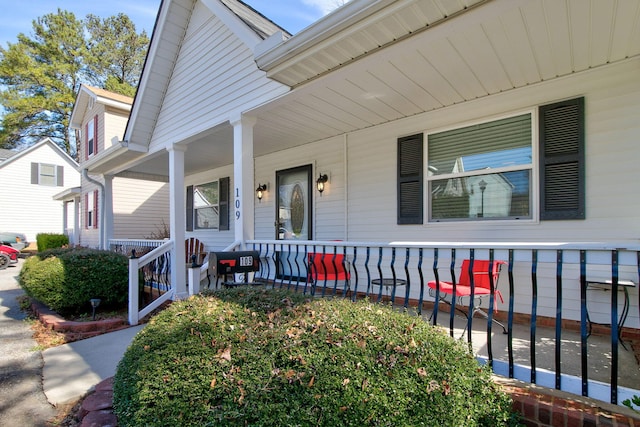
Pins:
<point x="22" y="400"/>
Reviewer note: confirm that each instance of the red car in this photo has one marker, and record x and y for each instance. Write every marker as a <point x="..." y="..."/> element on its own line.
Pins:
<point x="8" y="255"/>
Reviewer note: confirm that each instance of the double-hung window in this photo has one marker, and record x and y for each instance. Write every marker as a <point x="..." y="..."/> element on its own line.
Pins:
<point x="488" y="170"/>
<point x="46" y="174"/>
<point x="205" y="205"/>
<point x="91" y="137"/>
<point x="481" y="171"/>
<point x="208" y="206"/>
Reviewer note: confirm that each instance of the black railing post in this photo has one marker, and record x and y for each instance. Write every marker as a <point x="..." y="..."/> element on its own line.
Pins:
<point x="534" y="313"/>
<point x="510" y="314"/>
<point x="472" y="286"/>
<point x="614" y="327"/>
<point x="558" y="352"/>
<point x="583" y="323"/>
<point x="436" y="303"/>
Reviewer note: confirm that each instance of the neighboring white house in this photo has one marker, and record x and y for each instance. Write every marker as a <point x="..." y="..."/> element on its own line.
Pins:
<point x="540" y="100"/>
<point x="140" y="208"/>
<point x="30" y="180"/>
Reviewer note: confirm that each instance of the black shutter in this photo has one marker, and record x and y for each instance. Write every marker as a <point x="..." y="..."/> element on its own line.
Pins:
<point x="189" y="213"/>
<point x="410" y="180"/>
<point x="60" y="176"/>
<point x="562" y="189"/>
<point x="223" y="203"/>
<point x="35" y="173"/>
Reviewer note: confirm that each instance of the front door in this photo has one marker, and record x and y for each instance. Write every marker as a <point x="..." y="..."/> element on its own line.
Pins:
<point x="293" y="213"/>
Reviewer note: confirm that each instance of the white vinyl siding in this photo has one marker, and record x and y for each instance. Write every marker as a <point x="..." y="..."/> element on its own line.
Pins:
<point x="140" y="208"/>
<point x="198" y="99"/>
<point x="33" y="211"/>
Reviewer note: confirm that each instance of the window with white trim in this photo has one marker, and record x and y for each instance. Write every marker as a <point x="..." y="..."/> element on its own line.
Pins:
<point x="486" y="171"/>
<point x="47" y="174"/>
<point x="205" y="205"/>
<point x="483" y="171"/>
<point x="90" y="135"/>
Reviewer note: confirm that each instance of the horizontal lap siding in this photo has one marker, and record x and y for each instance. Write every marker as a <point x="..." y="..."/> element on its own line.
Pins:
<point x="114" y="124"/>
<point x="215" y="75"/>
<point x="140" y="208"/>
<point x="29" y="208"/>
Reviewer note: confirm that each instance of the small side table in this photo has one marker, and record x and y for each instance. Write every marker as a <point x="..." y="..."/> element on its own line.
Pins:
<point x="388" y="282"/>
<point x="606" y="285"/>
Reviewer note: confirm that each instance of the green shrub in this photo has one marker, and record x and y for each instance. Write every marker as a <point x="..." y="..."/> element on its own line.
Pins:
<point x="258" y="357"/>
<point x="50" y="240"/>
<point x="65" y="279"/>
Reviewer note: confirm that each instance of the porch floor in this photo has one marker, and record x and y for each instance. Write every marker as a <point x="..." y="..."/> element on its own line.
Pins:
<point x="598" y="349"/>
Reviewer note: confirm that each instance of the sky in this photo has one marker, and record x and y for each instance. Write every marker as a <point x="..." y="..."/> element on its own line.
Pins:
<point x="16" y="16"/>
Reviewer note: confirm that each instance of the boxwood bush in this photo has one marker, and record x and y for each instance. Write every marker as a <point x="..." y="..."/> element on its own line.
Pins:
<point x="66" y="278"/>
<point x="251" y="356"/>
<point x="51" y="240"/>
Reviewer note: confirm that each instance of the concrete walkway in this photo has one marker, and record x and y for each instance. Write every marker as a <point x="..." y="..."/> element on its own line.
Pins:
<point x="22" y="400"/>
<point x="71" y="370"/>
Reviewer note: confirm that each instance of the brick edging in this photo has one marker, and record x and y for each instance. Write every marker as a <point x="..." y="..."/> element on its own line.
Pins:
<point x="52" y="320"/>
<point x="544" y="407"/>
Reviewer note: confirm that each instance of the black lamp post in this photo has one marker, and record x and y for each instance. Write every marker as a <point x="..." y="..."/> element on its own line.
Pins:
<point x="483" y="186"/>
<point x="95" y="302"/>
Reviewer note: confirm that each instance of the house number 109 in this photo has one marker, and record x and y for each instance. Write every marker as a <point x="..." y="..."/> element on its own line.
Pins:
<point x="237" y="204"/>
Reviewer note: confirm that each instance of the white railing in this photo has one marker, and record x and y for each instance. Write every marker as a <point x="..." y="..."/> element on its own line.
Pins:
<point x="154" y="268"/>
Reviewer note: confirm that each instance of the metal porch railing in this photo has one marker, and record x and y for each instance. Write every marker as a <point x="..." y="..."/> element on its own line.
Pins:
<point x="544" y="285"/>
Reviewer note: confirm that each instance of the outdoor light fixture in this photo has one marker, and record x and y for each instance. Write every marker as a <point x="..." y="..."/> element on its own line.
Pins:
<point x="95" y="302"/>
<point x="260" y="190"/>
<point x="320" y="182"/>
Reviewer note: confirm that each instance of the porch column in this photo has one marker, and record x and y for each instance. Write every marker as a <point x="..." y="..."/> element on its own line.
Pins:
<point x="177" y="220"/>
<point x="65" y="220"/>
<point x="76" y="220"/>
<point x="243" y="177"/>
<point x="107" y="227"/>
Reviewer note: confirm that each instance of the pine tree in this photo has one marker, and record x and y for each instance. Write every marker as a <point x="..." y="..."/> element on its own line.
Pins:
<point x="40" y="75"/>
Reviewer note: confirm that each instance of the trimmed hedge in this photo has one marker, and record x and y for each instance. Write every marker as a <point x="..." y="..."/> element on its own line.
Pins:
<point x="250" y="356"/>
<point x="51" y="241"/>
<point x="66" y="278"/>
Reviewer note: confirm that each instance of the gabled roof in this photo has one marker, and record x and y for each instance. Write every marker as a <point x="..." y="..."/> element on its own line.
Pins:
<point x="171" y="24"/>
<point x="46" y="141"/>
<point x="87" y="95"/>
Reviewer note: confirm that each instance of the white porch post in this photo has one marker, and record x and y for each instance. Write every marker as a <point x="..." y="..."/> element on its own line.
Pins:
<point x="65" y="219"/>
<point x="107" y="227"/>
<point x="76" y="220"/>
<point x="177" y="219"/>
<point x="243" y="177"/>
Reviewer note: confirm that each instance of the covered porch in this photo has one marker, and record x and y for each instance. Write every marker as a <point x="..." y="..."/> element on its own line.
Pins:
<point x="561" y="332"/>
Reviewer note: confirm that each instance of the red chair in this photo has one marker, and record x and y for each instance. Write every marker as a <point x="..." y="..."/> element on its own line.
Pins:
<point x="482" y="286"/>
<point x="328" y="267"/>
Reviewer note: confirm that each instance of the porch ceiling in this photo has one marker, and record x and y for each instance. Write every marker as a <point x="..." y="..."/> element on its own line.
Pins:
<point x="364" y="66"/>
<point x="426" y="58"/>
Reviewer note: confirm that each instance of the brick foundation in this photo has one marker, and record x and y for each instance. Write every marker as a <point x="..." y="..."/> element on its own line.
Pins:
<point x="544" y="407"/>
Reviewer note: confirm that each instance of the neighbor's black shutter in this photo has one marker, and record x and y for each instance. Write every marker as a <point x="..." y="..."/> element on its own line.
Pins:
<point x="189" y="213"/>
<point x="410" y="180"/>
<point x="223" y="203"/>
<point x="562" y="189"/>
<point x="35" y="173"/>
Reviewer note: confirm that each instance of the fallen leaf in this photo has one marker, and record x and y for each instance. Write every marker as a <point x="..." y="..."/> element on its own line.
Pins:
<point x="422" y="372"/>
<point x="311" y="382"/>
<point x="213" y="382"/>
<point x="225" y="354"/>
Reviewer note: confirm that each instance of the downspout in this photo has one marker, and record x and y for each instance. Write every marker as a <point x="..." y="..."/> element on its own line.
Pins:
<point x="100" y="208"/>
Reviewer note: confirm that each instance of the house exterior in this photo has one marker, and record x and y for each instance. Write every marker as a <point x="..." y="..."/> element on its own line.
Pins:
<point x="140" y="208"/>
<point x="500" y="123"/>
<point x="31" y="178"/>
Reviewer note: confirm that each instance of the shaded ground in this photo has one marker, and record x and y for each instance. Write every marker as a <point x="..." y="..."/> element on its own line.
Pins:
<point x="22" y="400"/>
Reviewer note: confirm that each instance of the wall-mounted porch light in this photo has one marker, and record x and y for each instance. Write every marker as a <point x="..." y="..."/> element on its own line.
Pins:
<point x="322" y="179"/>
<point x="260" y="191"/>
